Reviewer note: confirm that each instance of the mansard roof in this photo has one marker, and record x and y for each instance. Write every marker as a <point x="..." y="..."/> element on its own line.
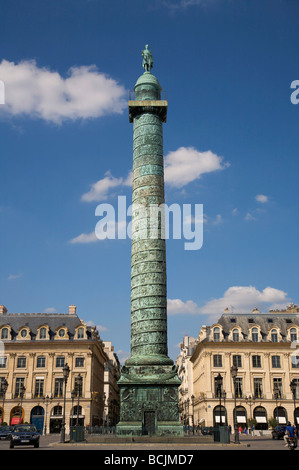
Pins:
<point x="35" y="320"/>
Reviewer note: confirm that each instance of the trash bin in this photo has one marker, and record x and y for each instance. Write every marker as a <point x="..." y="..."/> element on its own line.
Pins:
<point x="221" y="434"/>
<point x="77" y="434"/>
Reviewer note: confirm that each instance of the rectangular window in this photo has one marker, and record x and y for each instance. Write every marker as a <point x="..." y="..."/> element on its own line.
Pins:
<point x="19" y="384"/>
<point x="277" y="386"/>
<point x="3" y="362"/>
<point x="217" y="360"/>
<point x="237" y="360"/>
<point x="258" y="387"/>
<point x="41" y="362"/>
<point x="256" y="361"/>
<point x="21" y="362"/>
<point x="60" y="361"/>
<point x="58" y="388"/>
<point x="295" y="362"/>
<point x="276" y="362"/>
<point x="78" y="387"/>
<point x="39" y="388"/>
<point x="79" y="362"/>
<point x="239" y="387"/>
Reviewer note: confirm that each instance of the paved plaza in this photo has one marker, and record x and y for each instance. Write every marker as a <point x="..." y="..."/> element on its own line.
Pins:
<point x="112" y="450"/>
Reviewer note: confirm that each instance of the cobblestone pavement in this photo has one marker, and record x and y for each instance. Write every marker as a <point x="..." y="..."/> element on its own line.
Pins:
<point x="52" y="442"/>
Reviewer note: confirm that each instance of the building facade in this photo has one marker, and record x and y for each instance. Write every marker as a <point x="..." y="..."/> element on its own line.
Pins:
<point x="34" y="348"/>
<point x="185" y="373"/>
<point x="263" y="350"/>
<point x="111" y="388"/>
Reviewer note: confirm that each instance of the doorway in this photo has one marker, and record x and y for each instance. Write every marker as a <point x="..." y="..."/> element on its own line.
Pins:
<point x="149" y="426"/>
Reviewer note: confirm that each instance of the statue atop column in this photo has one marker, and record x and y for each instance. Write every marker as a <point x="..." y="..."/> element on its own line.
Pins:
<point x="147" y="59"/>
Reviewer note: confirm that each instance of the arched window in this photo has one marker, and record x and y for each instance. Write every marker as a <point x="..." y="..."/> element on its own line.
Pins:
<point x="80" y="333"/>
<point x="274" y="336"/>
<point x="216" y="334"/>
<point x="293" y="333"/>
<point x="57" y="410"/>
<point x="43" y="333"/>
<point x="236" y="335"/>
<point x="255" y="335"/>
<point x="4" y="333"/>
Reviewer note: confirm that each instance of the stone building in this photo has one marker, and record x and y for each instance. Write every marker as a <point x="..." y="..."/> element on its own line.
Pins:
<point x="111" y="388"/>
<point x="263" y="348"/>
<point x="34" y="348"/>
<point x="185" y="373"/>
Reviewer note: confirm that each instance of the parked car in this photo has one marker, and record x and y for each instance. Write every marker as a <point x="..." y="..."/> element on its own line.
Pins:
<point x="278" y="432"/>
<point x="5" y="432"/>
<point x="24" y="434"/>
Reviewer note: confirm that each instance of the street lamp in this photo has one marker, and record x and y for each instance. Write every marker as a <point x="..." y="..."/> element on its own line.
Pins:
<point x="78" y="386"/>
<point x="22" y="392"/>
<point x="293" y="387"/>
<point x="192" y="401"/>
<point x="234" y="373"/>
<point x="219" y="382"/>
<point x="250" y="401"/>
<point x="46" y="401"/>
<point x="4" y="386"/>
<point x="66" y="373"/>
<point x="73" y="396"/>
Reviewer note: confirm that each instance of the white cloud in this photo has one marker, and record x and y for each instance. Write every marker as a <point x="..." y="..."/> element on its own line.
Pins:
<point x="182" y="166"/>
<point x="242" y="299"/>
<point x="262" y="198"/>
<point x="177" y="306"/>
<point x="50" y="310"/>
<point x="99" y="191"/>
<point x="12" y="277"/>
<point x="98" y="327"/>
<point x="239" y="299"/>
<point x="187" y="164"/>
<point x="249" y="217"/>
<point x="85" y="238"/>
<point x="45" y="94"/>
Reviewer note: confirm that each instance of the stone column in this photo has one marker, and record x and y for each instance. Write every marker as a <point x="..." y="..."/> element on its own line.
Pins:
<point x="149" y="382"/>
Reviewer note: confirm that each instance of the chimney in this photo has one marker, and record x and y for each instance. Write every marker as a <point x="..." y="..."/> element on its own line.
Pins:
<point x="3" y="309"/>
<point x="72" y="309"/>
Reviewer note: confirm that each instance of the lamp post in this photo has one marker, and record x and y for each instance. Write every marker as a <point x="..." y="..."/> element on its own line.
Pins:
<point x="234" y="372"/>
<point x="219" y="382"/>
<point x="79" y="380"/>
<point x="66" y="373"/>
<point x="22" y="392"/>
<point x="4" y="386"/>
<point x="73" y="396"/>
<point x="293" y="387"/>
<point x="192" y="401"/>
<point x="276" y="396"/>
<point x="46" y="401"/>
<point x="250" y="401"/>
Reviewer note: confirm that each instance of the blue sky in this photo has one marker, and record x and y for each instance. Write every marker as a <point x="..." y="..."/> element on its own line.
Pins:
<point x="66" y="146"/>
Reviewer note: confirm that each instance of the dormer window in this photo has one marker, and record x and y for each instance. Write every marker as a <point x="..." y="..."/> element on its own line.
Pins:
<point x="293" y="334"/>
<point x="236" y="335"/>
<point x="43" y="333"/>
<point x="255" y="335"/>
<point x="216" y="334"/>
<point x="274" y="336"/>
<point x="4" y="333"/>
<point x="61" y="333"/>
<point x="23" y="333"/>
<point x="80" y="333"/>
